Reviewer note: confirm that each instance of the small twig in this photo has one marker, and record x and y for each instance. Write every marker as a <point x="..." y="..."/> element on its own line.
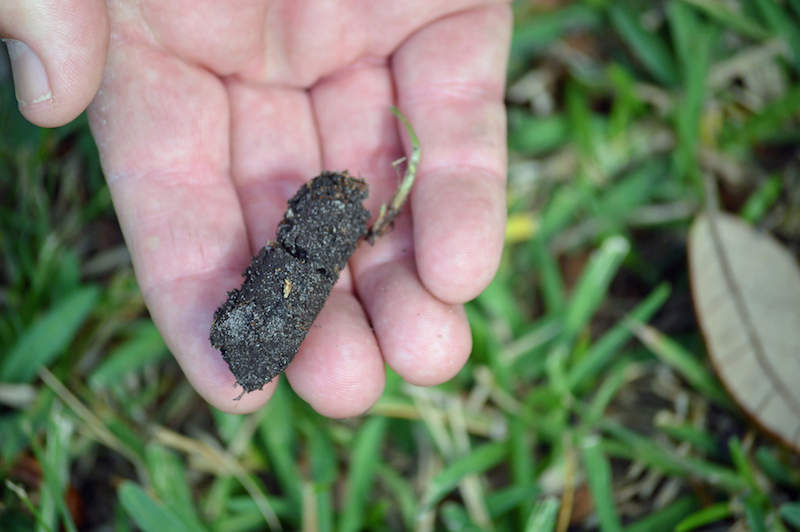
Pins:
<point x="387" y="214"/>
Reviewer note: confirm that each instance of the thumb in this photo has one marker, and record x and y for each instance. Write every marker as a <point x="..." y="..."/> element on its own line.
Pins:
<point x="58" y="51"/>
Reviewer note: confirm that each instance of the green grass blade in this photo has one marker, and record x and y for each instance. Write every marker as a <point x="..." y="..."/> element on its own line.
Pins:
<point x="695" y="44"/>
<point x="23" y="496"/>
<point x="598" y="474"/>
<point x="216" y="498"/>
<point x="665" y="518"/>
<point x="477" y="461"/>
<point x="602" y="350"/>
<point x="760" y="201"/>
<point x="608" y="389"/>
<point x="645" y="45"/>
<point x="227" y="425"/>
<point x="729" y="18"/>
<point x="15" y="430"/>
<point x="795" y="5"/>
<point x="754" y="514"/>
<point x="55" y="461"/>
<point x="516" y="496"/>
<point x="147" y="513"/>
<point x="563" y="207"/>
<point x="403" y="491"/>
<point x="170" y="483"/>
<point x="696" y="436"/>
<point x="579" y="120"/>
<point x="101" y="429"/>
<point x="631" y="445"/>
<point x="768" y="122"/>
<point x="543" y="516"/>
<point x="482" y="336"/>
<point x="633" y="190"/>
<point x="706" y="516"/>
<point x="769" y="461"/>
<point x="626" y="104"/>
<point x="790" y="512"/>
<point x="244" y="514"/>
<point x="144" y="347"/>
<point x="363" y="461"/>
<point x="534" y="33"/>
<point x="277" y="432"/>
<point x="499" y="300"/>
<point x="121" y="521"/>
<point x="533" y="135"/>
<point x="323" y="473"/>
<point x="593" y="284"/>
<point x="49" y="336"/>
<point x="685" y="363"/>
<point x="455" y="517"/>
<point x="743" y="466"/>
<point x="684" y="25"/>
<point x="521" y="459"/>
<point x="780" y="22"/>
<point x="551" y="282"/>
<point x="521" y="354"/>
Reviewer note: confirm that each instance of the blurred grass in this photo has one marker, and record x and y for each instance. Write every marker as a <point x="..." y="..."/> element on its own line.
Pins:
<point x="588" y="402"/>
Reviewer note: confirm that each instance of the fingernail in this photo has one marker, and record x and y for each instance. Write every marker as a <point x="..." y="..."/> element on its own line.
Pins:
<point x="30" y="77"/>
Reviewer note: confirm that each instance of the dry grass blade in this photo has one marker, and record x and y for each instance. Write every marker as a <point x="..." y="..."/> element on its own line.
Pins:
<point x="310" y="519"/>
<point x="89" y="418"/>
<point x="480" y="422"/>
<point x="387" y="213"/>
<point x="226" y="464"/>
<point x="568" y="496"/>
<point x="470" y="486"/>
<point x="746" y="289"/>
<point x="16" y="395"/>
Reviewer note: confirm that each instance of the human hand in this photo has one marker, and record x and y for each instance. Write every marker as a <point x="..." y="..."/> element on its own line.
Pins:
<point x="211" y="114"/>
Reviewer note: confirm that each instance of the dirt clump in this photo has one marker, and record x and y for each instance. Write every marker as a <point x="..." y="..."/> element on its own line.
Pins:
<point x="260" y="327"/>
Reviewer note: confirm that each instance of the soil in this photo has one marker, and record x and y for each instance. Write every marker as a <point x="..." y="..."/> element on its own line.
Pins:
<point x="260" y="327"/>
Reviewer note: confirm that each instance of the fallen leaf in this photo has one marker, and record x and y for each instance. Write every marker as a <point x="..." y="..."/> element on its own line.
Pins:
<point x="746" y="289"/>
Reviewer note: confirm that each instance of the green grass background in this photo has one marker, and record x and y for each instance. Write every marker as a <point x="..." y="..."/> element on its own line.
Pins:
<point x="562" y="419"/>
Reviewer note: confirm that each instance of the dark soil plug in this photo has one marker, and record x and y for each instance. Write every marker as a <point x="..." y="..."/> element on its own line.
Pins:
<point x="262" y="324"/>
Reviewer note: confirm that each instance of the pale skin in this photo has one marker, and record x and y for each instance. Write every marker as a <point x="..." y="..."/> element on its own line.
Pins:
<point x="208" y="115"/>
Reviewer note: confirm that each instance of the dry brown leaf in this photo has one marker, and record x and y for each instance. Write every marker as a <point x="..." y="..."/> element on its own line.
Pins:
<point x="746" y="289"/>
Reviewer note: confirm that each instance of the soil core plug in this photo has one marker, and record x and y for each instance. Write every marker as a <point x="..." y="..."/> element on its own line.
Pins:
<point x="260" y="327"/>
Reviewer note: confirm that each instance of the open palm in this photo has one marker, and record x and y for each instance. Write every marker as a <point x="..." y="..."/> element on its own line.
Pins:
<point x="211" y="114"/>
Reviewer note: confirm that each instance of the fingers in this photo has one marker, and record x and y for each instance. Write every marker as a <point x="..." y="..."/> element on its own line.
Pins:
<point x="306" y="41"/>
<point x="424" y="340"/>
<point x="183" y="309"/>
<point x="58" y="52"/>
<point x="223" y="37"/>
<point x="274" y="149"/>
<point x="338" y="370"/>
<point x="356" y="127"/>
<point x="162" y="130"/>
<point x="450" y="78"/>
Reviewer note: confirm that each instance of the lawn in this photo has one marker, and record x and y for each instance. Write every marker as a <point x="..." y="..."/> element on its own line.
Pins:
<point x="589" y="401"/>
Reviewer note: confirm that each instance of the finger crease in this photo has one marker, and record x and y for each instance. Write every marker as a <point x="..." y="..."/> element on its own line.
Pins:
<point x="450" y="168"/>
<point x="453" y="92"/>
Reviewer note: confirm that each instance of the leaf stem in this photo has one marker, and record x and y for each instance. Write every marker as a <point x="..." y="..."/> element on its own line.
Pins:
<point x="387" y="214"/>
